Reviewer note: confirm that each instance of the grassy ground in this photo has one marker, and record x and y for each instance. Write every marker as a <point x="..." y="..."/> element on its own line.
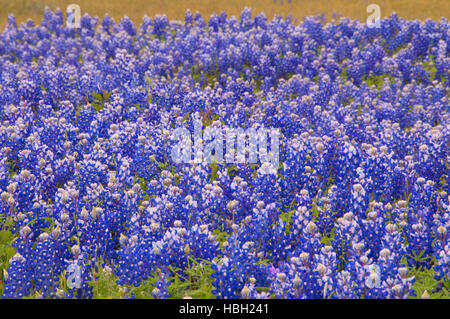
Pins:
<point x="175" y="9"/>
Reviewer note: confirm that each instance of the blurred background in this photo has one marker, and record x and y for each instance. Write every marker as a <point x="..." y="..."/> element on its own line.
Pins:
<point x="175" y="9"/>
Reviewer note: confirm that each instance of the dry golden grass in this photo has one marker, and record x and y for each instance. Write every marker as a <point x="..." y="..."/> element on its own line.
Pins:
<point x="175" y="9"/>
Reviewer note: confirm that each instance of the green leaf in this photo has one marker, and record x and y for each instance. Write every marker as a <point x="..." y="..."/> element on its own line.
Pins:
<point x="6" y="252"/>
<point x="104" y="284"/>
<point x="97" y="107"/>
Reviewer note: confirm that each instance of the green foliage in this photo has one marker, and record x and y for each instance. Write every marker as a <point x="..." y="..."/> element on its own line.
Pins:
<point x="221" y="236"/>
<point x="62" y="284"/>
<point x="258" y="83"/>
<point x="214" y="168"/>
<point x="426" y="285"/>
<point x="105" y="285"/>
<point x="377" y="80"/>
<point x="6" y="252"/>
<point x="198" y="283"/>
<point x="195" y="74"/>
<point x="164" y="166"/>
<point x="100" y="99"/>
<point x="145" y="289"/>
<point x="6" y="222"/>
<point x="185" y="117"/>
<point x="208" y="117"/>
<point x="430" y="67"/>
<point x="287" y="216"/>
<point x="316" y="79"/>
<point x="420" y="257"/>
<point x="327" y="239"/>
<point x="443" y="180"/>
<point x="205" y="78"/>
<point x="143" y="183"/>
<point x="232" y="171"/>
<point x="344" y="75"/>
<point x="195" y="282"/>
<point x="49" y="221"/>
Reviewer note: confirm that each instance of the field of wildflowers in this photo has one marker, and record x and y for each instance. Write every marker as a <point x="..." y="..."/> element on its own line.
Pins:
<point x="93" y="205"/>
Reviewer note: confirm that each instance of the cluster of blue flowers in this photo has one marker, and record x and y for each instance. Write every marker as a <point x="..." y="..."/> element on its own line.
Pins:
<point x="361" y="195"/>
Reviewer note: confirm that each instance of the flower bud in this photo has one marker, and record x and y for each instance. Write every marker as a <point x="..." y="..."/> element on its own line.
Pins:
<point x="281" y="276"/>
<point x="25" y="231"/>
<point x="155" y="291"/>
<point x="56" y="232"/>
<point x="244" y="292"/>
<point x="403" y="271"/>
<point x="442" y="231"/>
<point x="177" y="223"/>
<point x="76" y="251"/>
<point x="425" y="295"/>
<point x="385" y="253"/>
<point x="297" y="280"/>
<point x="43" y="237"/>
<point x="311" y="228"/>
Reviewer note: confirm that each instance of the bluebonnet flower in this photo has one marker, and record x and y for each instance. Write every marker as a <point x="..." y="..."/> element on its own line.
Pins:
<point x="17" y="278"/>
<point x="360" y="194"/>
<point x="237" y="266"/>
